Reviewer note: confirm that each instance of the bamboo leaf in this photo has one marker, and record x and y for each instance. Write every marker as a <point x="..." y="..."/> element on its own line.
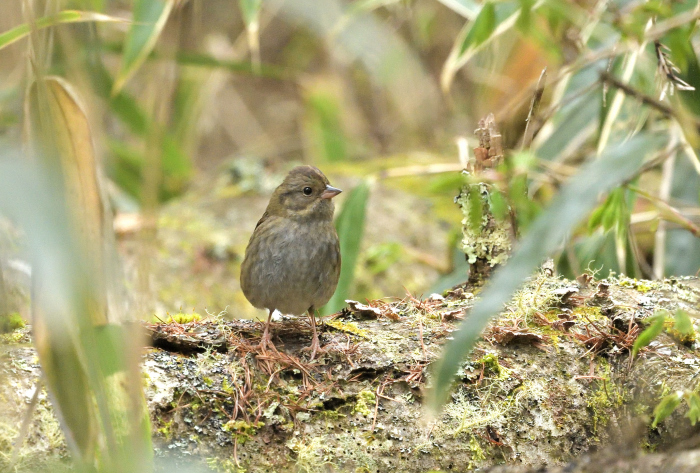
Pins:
<point x="546" y="234"/>
<point x="693" y="414"/>
<point x="150" y="17"/>
<point x="493" y="20"/>
<point x="682" y="323"/>
<point x="350" y="226"/>
<point x="95" y="387"/>
<point x="67" y="16"/>
<point x="650" y="333"/>
<point x="60" y="129"/>
<point x="666" y="407"/>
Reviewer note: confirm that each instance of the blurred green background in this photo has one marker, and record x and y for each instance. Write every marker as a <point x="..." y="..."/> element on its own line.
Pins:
<point x="197" y="109"/>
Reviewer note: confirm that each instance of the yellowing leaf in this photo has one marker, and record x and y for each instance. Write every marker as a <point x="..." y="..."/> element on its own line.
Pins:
<point x="60" y="130"/>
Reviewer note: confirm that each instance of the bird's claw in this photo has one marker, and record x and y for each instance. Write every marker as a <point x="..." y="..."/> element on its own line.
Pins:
<point x="315" y="348"/>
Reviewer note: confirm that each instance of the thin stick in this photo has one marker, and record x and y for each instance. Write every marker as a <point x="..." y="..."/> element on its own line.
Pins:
<point x="534" y="106"/>
<point x="422" y="344"/>
<point x="608" y="78"/>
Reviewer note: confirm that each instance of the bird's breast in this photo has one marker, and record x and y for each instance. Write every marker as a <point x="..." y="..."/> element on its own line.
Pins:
<point x="292" y="265"/>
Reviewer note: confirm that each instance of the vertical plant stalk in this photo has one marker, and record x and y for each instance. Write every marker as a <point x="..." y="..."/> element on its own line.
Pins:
<point x="610" y="119"/>
<point x="486" y="239"/>
<point x="664" y="194"/>
<point x="253" y="34"/>
<point x="160" y="93"/>
<point x="534" y="107"/>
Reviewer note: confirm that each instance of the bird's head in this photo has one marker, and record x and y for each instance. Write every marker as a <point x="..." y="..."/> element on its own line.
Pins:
<point x="305" y="194"/>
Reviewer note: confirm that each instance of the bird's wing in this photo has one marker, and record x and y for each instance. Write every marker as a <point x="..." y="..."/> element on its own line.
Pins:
<point x="262" y="219"/>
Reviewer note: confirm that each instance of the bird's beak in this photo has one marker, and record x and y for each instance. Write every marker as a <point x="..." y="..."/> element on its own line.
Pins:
<point x="330" y="192"/>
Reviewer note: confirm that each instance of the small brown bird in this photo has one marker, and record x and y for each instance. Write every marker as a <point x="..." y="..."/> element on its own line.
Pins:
<point x="292" y="262"/>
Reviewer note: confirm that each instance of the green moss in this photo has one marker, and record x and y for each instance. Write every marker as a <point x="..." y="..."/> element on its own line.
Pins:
<point x="642" y="286"/>
<point x="607" y="397"/>
<point x="331" y="415"/>
<point x="348" y="327"/>
<point x="584" y="313"/>
<point x="224" y="466"/>
<point x="242" y="430"/>
<point x="684" y="337"/>
<point x="11" y="322"/>
<point x="312" y="456"/>
<point x="477" y="452"/>
<point x="365" y="403"/>
<point x="12" y="337"/>
<point x="181" y="318"/>
<point x="165" y="430"/>
<point x="493" y="367"/>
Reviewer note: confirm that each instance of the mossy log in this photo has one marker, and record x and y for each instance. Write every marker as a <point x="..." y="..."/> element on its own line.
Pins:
<point x="551" y="382"/>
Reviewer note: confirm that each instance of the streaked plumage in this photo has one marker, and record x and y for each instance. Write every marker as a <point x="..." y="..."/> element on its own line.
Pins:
<point x="292" y="262"/>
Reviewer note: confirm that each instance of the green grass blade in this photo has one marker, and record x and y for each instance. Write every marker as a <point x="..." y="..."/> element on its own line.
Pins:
<point x="650" y="333"/>
<point x="150" y="17"/>
<point x="350" y="226"/>
<point x="572" y="204"/>
<point x="68" y="16"/>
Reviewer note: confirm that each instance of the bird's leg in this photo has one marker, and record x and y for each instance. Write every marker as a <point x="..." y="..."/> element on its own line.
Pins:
<point x="315" y="345"/>
<point x="265" y="340"/>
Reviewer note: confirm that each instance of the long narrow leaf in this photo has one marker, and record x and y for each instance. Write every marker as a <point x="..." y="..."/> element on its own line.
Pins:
<point x="149" y="19"/>
<point x="575" y="200"/>
<point x="649" y="333"/>
<point x="93" y="381"/>
<point x="68" y="16"/>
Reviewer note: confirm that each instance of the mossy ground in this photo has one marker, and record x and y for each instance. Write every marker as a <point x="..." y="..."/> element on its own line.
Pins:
<point x="359" y="406"/>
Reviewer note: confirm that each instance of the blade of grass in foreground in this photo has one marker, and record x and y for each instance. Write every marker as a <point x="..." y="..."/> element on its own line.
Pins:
<point x="68" y="16"/>
<point x="572" y="204"/>
<point x="90" y="367"/>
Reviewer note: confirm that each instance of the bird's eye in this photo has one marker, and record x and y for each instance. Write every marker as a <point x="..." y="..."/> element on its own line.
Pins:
<point x="307" y="191"/>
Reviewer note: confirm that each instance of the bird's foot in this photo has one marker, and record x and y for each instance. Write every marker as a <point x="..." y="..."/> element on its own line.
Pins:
<point x="266" y="342"/>
<point x="315" y="348"/>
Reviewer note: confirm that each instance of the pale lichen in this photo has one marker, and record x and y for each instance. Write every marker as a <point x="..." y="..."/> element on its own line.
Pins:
<point x="488" y="238"/>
